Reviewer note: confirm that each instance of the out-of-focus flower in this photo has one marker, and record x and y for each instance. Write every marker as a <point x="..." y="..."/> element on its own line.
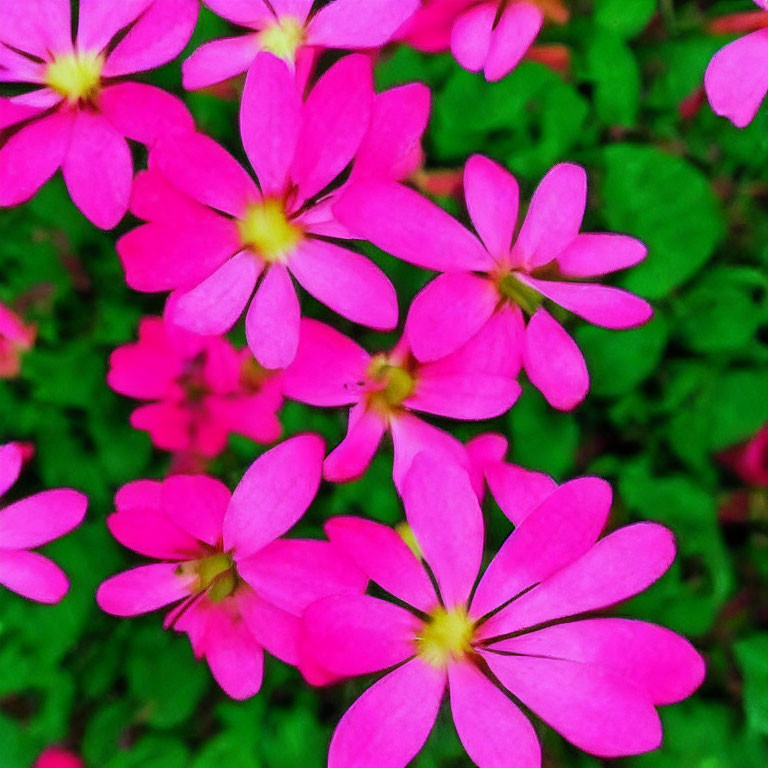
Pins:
<point x="490" y="277"/>
<point x="238" y="587"/>
<point x="291" y="30"/>
<point x="82" y="111"/>
<point x="597" y="681"/>
<point x="385" y="390"/>
<point x="30" y="523"/>
<point x="53" y="757"/>
<point x="202" y="389"/>
<point x="16" y="337"/>
<point x="750" y="460"/>
<point x="736" y="80"/>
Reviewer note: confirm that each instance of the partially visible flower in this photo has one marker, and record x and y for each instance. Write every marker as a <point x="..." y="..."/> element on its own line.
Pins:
<point x="82" y="111"/>
<point x="237" y="587"/>
<point x="16" y="337"/>
<point x="214" y="235"/>
<point x="53" y="757"/>
<point x="490" y="277"/>
<point x="202" y="389"/>
<point x="291" y="30"/>
<point x="491" y="36"/>
<point x="736" y="80"/>
<point x="750" y="460"/>
<point x="386" y="390"/>
<point x="30" y="523"/>
<point x="597" y="681"/>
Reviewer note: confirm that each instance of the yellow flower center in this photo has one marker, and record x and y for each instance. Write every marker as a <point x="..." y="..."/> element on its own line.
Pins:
<point x="266" y="230"/>
<point x="215" y="575"/>
<point x="283" y="38"/>
<point x="76" y="76"/>
<point x="398" y="384"/>
<point x="445" y="637"/>
<point x="519" y="293"/>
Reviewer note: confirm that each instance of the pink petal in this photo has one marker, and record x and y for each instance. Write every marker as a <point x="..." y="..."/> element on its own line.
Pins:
<point x="484" y="451"/>
<point x="270" y="121"/>
<point x="247" y="13"/>
<point x="12" y="113"/>
<point x="353" y="635"/>
<point x="350" y="24"/>
<point x="11" y="460"/>
<point x="98" y="22"/>
<point x="196" y="504"/>
<point x="334" y="120"/>
<point x="448" y="312"/>
<point x="276" y="630"/>
<point x="654" y="659"/>
<point x="273" y="494"/>
<point x="592" y="254"/>
<point x="235" y="658"/>
<point x="518" y="491"/>
<point x="154" y="198"/>
<point x="41" y="518"/>
<point x="18" y="68"/>
<point x="595" y="710"/>
<point x="214" y="306"/>
<point x="514" y="34"/>
<point x="170" y="426"/>
<point x="402" y="222"/>
<point x="39" y="27"/>
<point x="144" y="113"/>
<point x="391" y="148"/>
<point x="452" y="544"/>
<point x="351" y="458"/>
<point x="327" y="368"/>
<point x="143" y="589"/>
<point x="32" y="576"/>
<point x="495" y="733"/>
<point x="737" y="78"/>
<point x="389" y="723"/>
<point x="219" y="60"/>
<point x="32" y="155"/>
<point x="493" y="198"/>
<point x="599" y="304"/>
<point x="157" y="37"/>
<point x="557" y="533"/>
<point x="471" y="36"/>
<point x="98" y="170"/>
<point x="554" y="216"/>
<point x="554" y="363"/>
<point x="385" y="558"/>
<point x="618" y="567"/>
<point x="152" y="534"/>
<point x="272" y="324"/>
<point x="347" y="282"/>
<point x="202" y="169"/>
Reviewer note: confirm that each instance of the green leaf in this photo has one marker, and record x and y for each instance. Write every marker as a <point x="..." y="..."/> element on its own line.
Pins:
<point x="752" y="658"/>
<point x="611" y="66"/>
<point x="626" y="18"/>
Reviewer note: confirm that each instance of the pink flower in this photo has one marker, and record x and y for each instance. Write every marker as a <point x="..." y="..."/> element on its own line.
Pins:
<point x="488" y="277"/>
<point x="15" y="338"/>
<point x="212" y="233"/>
<point x="202" y="389"/>
<point x="484" y="35"/>
<point x="750" y="460"/>
<point x="30" y="523"/>
<point x="238" y="588"/>
<point x="384" y="390"/>
<point x="58" y="758"/>
<point x="290" y="30"/>
<point x="597" y="681"/>
<point x="736" y="80"/>
<point x="82" y="111"/>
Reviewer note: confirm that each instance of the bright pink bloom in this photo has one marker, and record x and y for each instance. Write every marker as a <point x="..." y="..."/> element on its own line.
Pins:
<point x="58" y="758"/>
<point x="83" y="111"/>
<point x="202" y="389"/>
<point x="385" y="390"/>
<point x="290" y="30"/>
<point x="213" y="233"/>
<point x="30" y="523"/>
<point x="490" y="278"/>
<point x="239" y="588"/>
<point x="737" y="77"/>
<point x="15" y="338"/>
<point x="750" y="461"/>
<point x="597" y="681"/>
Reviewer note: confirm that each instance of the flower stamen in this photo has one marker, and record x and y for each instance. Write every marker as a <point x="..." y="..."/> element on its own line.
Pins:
<point x="76" y="76"/>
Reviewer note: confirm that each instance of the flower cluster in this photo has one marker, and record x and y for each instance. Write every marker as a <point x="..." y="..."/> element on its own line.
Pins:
<point x="332" y="162"/>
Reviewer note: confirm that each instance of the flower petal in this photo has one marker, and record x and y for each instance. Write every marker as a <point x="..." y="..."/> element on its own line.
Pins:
<point x="32" y="576"/>
<point x="39" y="27"/>
<point x="246" y="13"/>
<point x="98" y="22"/>
<point x="12" y="113"/>
<point x="513" y="35"/>
<point x="353" y="455"/>
<point x="143" y="589"/>
<point x="592" y="254"/>
<point x="471" y="36"/>
<point x="235" y="658"/>
<point x="11" y="461"/>
<point x="41" y="518"/>
<point x="276" y="630"/>
<point x="354" y="25"/>
<point x="197" y="505"/>
<point x="150" y="533"/>
<point x="518" y="491"/>
<point x="219" y="60"/>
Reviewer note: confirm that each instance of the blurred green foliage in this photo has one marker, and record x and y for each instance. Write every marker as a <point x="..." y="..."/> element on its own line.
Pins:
<point x="665" y="398"/>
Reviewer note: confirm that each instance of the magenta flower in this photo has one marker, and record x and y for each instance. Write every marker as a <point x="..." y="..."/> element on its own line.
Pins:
<point x="212" y="233"/>
<point x="53" y="757"/>
<point x="82" y="112"/>
<point x="489" y="277"/>
<point x="597" y="681"/>
<point x="238" y="588"/>
<point x="750" y="460"/>
<point x="16" y="337"/>
<point x="202" y="389"/>
<point x="736" y="80"/>
<point x="384" y="390"/>
<point x="30" y="523"/>
<point x="291" y="31"/>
